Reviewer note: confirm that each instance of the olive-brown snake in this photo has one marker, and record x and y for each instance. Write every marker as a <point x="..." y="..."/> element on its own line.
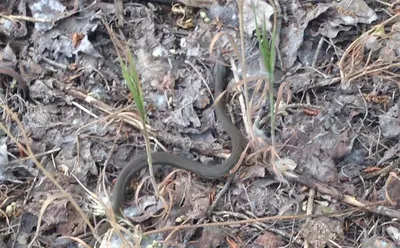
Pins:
<point x="169" y="159"/>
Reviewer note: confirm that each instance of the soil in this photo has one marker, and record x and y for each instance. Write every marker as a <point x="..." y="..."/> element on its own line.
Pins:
<point x="328" y="176"/>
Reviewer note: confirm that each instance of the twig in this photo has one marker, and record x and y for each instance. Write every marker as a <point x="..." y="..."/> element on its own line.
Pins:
<point x="249" y="221"/>
<point x="79" y="106"/>
<point x="314" y="61"/>
<point x="310" y="209"/>
<point x="312" y="183"/>
<point x="247" y="113"/>
<point x="26" y="18"/>
<point x="27" y="158"/>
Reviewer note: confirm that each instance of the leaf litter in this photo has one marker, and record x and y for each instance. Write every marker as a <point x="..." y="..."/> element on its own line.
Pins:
<point x="338" y="133"/>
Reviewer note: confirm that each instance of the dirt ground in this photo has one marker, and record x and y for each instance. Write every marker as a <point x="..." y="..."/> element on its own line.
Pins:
<point x="328" y="177"/>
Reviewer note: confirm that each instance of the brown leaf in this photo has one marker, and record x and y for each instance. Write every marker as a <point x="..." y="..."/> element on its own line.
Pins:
<point x="392" y="188"/>
<point x="269" y="239"/>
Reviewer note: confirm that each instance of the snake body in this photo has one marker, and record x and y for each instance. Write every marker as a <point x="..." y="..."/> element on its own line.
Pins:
<point x="169" y="159"/>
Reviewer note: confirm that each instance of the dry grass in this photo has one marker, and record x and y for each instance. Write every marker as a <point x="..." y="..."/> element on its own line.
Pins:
<point x="28" y="151"/>
<point x="354" y="64"/>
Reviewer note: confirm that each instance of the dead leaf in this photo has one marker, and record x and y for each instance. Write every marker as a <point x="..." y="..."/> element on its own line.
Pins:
<point x="319" y="231"/>
<point x="390" y="122"/>
<point x="392" y="189"/>
<point x="263" y="11"/>
<point x="268" y="239"/>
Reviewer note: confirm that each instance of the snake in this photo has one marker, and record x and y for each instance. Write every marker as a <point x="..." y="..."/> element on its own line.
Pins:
<point x="206" y="171"/>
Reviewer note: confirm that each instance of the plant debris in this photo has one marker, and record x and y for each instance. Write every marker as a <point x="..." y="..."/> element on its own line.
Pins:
<point x="329" y="178"/>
